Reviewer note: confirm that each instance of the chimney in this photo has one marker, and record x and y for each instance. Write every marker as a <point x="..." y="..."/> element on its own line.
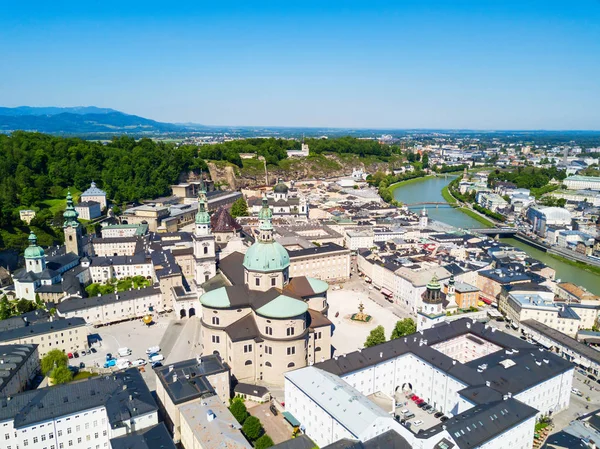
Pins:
<point x="487" y="383"/>
<point x="175" y="377"/>
<point x="381" y="355"/>
<point x="454" y="362"/>
<point x="124" y="387"/>
<point x="509" y="394"/>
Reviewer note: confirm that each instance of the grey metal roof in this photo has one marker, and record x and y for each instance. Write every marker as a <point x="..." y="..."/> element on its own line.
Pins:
<point x="388" y="440"/>
<point x="12" y="358"/>
<point x="41" y="328"/>
<point x="186" y="380"/>
<point x="124" y="394"/>
<point x="155" y="437"/>
<point x="72" y="304"/>
<point x="323" y="249"/>
<point x="254" y="390"/>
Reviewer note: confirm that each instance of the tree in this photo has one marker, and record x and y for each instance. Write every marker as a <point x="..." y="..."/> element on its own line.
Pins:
<point x="252" y="428"/>
<point x="425" y="160"/>
<point x="24" y="306"/>
<point x="39" y="304"/>
<point x="264" y="442"/>
<point x="5" y="311"/>
<point x="53" y="359"/>
<point x="61" y="375"/>
<point x="376" y="337"/>
<point x="404" y="327"/>
<point x="238" y="410"/>
<point x="239" y="208"/>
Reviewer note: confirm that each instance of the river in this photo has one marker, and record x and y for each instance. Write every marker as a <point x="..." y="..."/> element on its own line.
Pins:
<point x="430" y="190"/>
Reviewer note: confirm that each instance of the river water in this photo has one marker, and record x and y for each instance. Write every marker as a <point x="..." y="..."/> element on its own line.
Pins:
<point x="429" y="190"/>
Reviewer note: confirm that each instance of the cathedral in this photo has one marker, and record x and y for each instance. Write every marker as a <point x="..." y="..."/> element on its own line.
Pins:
<point x="261" y="322"/>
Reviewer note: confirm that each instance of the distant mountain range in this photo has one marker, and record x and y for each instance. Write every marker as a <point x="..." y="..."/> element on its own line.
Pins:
<point x="80" y="120"/>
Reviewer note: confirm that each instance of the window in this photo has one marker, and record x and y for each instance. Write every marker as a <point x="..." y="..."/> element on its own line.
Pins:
<point x="257" y="281"/>
<point x="35" y="440"/>
<point x="215" y="320"/>
<point x="206" y="250"/>
<point x="247" y="348"/>
<point x="60" y="433"/>
<point x="248" y="362"/>
<point x="268" y="364"/>
<point x="291" y="365"/>
<point x="269" y="330"/>
<point x="216" y="339"/>
<point x="291" y="350"/>
<point x="268" y="350"/>
<point x="68" y="430"/>
<point x="273" y="281"/>
<point x="290" y="331"/>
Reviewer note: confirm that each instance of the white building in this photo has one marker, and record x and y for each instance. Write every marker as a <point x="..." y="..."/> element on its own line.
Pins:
<point x="94" y="194"/>
<point x="355" y="239"/>
<point x="79" y="414"/>
<point x="578" y="182"/>
<point x="469" y="371"/>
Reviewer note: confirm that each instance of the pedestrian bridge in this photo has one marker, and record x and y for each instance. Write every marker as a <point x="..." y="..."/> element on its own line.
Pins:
<point x="500" y="232"/>
<point x="430" y="203"/>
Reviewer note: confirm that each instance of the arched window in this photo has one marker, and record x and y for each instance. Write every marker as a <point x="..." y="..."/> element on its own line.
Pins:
<point x="268" y="364"/>
<point x="257" y="281"/>
<point x="290" y="331"/>
<point x="317" y="349"/>
<point x="206" y="250"/>
<point x="291" y="365"/>
<point x="215" y="320"/>
<point x="248" y="362"/>
<point x="273" y="281"/>
<point x="268" y="330"/>
<point x="70" y="238"/>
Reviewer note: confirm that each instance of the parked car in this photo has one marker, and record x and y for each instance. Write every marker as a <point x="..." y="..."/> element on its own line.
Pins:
<point x="82" y="365"/>
<point x="109" y="356"/>
<point x="76" y="355"/>
<point x="417" y="423"/>
<point x="93" y="350"/>
<point x="422" y="404"/>
<point x="156" y="364"/>
<point x="431" y="411"/>
<point x="438" y="415"/>
<point x="153" y="350"/>
<point x="444" y="418"/>
<point x="156" y="357"/>
<point x="427" y="407"/>
<point x="273" y="410"/>
<point x="70" y="355"/>
<point x="139" y="362"/>
<point x="110" y="363"/>
<point x="576" y="391"/>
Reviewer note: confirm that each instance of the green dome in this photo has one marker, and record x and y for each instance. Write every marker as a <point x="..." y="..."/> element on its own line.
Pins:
<point x="280" y="187"/>
<point x="266" y="256"/>
<point x="33" y="251"/>
<point x="434" y="284"/>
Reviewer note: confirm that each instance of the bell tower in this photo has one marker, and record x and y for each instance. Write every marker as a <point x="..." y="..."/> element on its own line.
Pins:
<point x="204" y="242"/>
<point x="71" y="227"/>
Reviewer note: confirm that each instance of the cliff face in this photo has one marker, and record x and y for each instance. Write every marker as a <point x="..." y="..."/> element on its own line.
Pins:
<point x="252" y="174"/>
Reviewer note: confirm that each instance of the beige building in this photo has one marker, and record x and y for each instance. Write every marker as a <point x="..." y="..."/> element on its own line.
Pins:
<point x="114" y="307"/>
<point x="19" y="364"/>
<point x="261" y="322"/>
<point x="190" y="382"/>
<point x="117" y="246"/>
<point x="67" y="335"/>
<point x="209" y="424"/>
<point x="94" y="194"/>
<point x="328" y="262"/>
<point x="26" y="215"/>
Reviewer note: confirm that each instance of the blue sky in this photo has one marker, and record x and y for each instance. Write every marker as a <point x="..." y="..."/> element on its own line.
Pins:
<point x="484" y="64"/>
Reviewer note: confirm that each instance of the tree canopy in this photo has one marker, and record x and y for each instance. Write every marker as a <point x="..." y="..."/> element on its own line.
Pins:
<point x="61" y="375"/>
<point x="527" y="177"/>
<point x="404" y="327"/>
<point x="252" y="428"/>
<point x="376" y="337"/>
<point x="263" y="442"/>
<point x="53" y="359"/>
<point x="238" y="410"/>
<point x="239" y="208"/>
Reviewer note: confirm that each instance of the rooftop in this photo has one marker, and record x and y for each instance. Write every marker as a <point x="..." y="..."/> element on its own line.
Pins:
<point x="12" y="358"/>
<point x="155" y="437"/>
<point x="187" y="380"/>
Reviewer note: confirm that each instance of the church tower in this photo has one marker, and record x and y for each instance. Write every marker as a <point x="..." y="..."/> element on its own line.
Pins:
<point x="71" y="227"/>
<point x="204" y="242"/>
<point x="432" y="310"/>
<point x="34" y="256"/>
<point x="423" y="219"/>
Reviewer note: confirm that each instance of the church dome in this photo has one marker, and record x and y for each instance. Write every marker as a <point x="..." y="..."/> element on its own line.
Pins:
<point x="266" y="257"/>
<point x="280" y="187"/>
<point x="33" y="251"/>
<point x="433" y="293"/>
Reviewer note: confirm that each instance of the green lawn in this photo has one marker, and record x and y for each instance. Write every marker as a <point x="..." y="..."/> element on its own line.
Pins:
<point x="60" y="203"/>
<point x="83" y="375"/>
<point x="584" y="266"/>
<point x="476" y="216"/>
<point x="448" y="196"/>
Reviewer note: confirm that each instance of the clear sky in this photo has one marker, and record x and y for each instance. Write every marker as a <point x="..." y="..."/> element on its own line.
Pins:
<point x="481" y="64"/>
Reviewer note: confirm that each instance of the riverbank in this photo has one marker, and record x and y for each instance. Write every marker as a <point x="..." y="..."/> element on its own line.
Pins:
<point x="575" y="263"/>
<point x="476" y="216"/>
<point x="448" y="196"/>
<point x="408" y="181"/>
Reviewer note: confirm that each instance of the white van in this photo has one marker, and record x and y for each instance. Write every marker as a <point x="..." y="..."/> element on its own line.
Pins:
<point x="153" y="350"/>
<point x="157" y="358"/>
<point x="123" y="363"/>
<point x="124" y="352"/>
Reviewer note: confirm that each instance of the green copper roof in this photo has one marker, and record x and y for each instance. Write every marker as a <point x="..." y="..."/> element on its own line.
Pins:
<point x="266" y="256"/>
<point x="434" y="284"/>
<point x="33" y="251"/>
<point x="265" y="213"/>
<point x="283" y="307"/>
<point x="70" y="215"/>
<point x="202" y="216"/>
<point x="317" y="285"/>
<point x="216" y="298"/>
<point x="280" y="187"/>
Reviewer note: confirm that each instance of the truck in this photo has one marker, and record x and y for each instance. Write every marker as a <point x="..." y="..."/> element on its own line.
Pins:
<point x="124" y="352"/>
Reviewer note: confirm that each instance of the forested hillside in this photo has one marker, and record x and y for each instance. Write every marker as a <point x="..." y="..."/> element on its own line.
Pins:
<point x="37" y="168"/>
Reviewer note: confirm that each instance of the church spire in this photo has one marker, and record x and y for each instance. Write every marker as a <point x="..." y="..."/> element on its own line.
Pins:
<point x="265" y="217"/>
<point x="70" y="215"/>
<point x="202" y="216"/>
